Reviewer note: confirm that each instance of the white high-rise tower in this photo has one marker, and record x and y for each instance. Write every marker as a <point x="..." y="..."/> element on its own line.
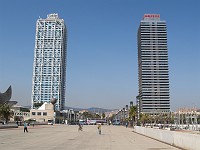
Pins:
<point x="49" y="67"/>
<point x="153" y="74"/>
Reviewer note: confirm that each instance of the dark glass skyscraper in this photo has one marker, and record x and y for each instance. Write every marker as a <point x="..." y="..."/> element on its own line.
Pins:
<point x="153" y="74"/>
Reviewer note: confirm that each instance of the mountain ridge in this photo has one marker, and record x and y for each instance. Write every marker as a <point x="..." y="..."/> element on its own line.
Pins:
<point x="90" y="109"/>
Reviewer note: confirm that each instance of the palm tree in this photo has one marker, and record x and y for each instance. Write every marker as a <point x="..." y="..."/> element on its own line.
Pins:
<point x="145" y="118"/>
<point x="132" y="114"/>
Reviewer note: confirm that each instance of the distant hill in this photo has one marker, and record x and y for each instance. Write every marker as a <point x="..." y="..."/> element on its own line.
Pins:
<point x="75" y="109"/>
<point x="98" y="110"/>
<point x="92" y="109"/>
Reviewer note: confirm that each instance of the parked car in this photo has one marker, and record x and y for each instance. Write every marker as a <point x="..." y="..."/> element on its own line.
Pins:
<point x="50" y="122"/>
<point x="2" y="122"/>
<point x="116" y="122"/>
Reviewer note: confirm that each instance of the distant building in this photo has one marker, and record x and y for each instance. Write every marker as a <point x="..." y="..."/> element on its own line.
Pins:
<point x="43" y="113"/>
<point x="111" y="113"/>
<point x="49" y="67"/>
<point x="187" y="116"/>
<point x="153" y="72"/>
<point x="46" y="113"/>
<point x="83" y="111"/>
<point x="20" y="113"/>
<point x="70" y="116"/>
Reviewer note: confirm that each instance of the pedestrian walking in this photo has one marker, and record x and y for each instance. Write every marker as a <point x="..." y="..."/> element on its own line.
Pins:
<point x="126" y="124"/>
<point x="25" y="127"/>
<point x="99" y="128"/>
<point x="17" y="123"/>
<point x="80" y="127"/>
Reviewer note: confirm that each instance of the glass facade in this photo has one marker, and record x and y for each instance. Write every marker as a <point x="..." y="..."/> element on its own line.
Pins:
<point x="49" y="67"/>
<point x="153" y="74"/>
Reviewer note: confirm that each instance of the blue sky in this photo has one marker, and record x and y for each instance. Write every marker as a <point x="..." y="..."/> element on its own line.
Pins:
<point x="101" y="49"/>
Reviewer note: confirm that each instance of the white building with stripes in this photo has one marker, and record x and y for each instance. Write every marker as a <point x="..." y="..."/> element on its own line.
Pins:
<point x="49" y="66"/>
<point x="153" y="73"/>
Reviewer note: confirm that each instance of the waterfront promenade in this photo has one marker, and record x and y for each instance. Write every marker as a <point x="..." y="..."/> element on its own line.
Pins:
<point x="65" y="137"/>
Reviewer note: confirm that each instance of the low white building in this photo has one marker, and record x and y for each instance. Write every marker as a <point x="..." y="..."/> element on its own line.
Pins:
<point x="43" y="113"/>
<point x="20" y="113"/>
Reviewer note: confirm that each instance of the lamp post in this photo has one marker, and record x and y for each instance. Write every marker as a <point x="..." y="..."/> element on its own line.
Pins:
<point x="53" y="101"/>
<point x="131" y="107"/>
<point x="123" y="116"/>
<point x="131" y="103"/>
<point x="138" y="99"/>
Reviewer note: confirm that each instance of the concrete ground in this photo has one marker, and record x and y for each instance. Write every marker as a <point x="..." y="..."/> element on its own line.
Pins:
<point x="64" y="137"/>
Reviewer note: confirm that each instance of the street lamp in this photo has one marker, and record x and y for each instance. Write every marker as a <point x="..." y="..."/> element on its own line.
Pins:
<point x="53" y="102"/>
<point x="123" y="115"/>
<point x="138" y="102"/>
<point x="131" y="103"/>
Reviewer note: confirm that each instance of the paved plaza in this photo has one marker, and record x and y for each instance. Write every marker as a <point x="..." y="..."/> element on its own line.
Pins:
<point x="65" y="137"/>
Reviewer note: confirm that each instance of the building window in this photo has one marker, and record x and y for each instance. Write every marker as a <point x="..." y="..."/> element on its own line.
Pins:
<point x="39" y="113"/>
<point x="33" y="113"/>
<point x="44" y="113"/>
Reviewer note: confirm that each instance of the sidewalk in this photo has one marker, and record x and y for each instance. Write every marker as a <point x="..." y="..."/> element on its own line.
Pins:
<point x="65" y="137"/>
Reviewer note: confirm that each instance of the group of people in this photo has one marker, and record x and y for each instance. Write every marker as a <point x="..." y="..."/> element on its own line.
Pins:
<point x="80" y="127"/>
<point x="25" y="125"/>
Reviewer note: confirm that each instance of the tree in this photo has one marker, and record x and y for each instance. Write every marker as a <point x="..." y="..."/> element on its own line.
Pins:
<point x="145" y="118"/>
<point x="103" y="115"/>
<point x="132" y="114"/>
<point x="37" y="104"/>
<point x="111" y="117"/>
<point x="5" y="111"/>
<point x="96" y="115"/>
